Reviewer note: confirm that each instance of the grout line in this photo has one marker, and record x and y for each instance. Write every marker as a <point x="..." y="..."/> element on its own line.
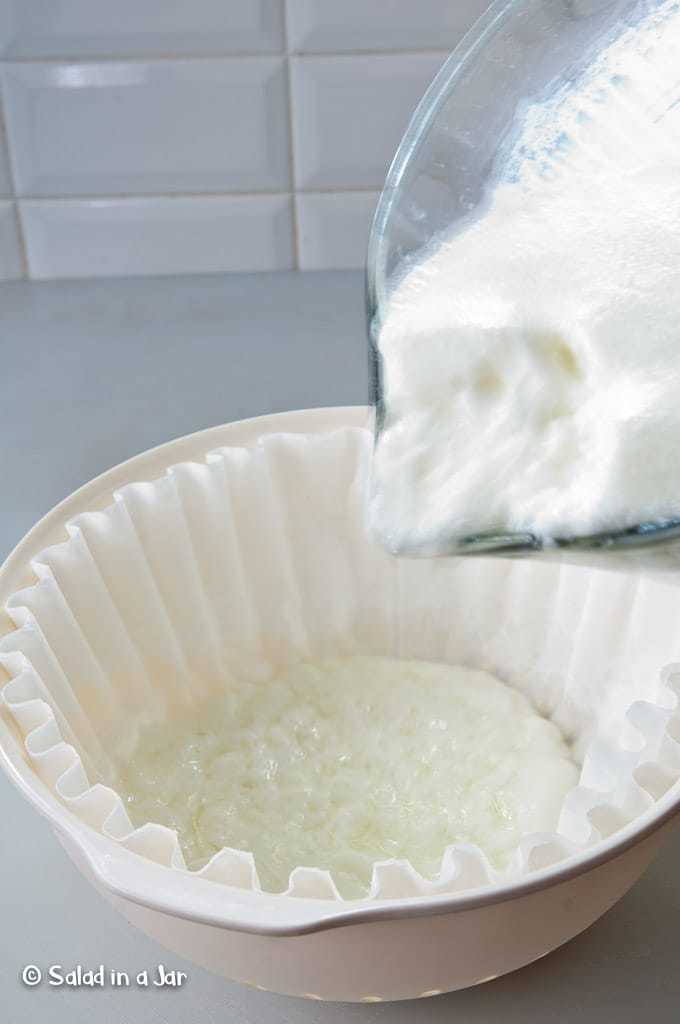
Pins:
<point x="93" y="197"/>
<point x="291" y="143"/>
<point x="397" y="52"/>
<point x="136" y="196"/>
<point x="21" y="231"/>
<point x="146" y="58"/>
<point x="19" y="220"/>
<point x="222" y="55"/>
<point x="339" y="190"/>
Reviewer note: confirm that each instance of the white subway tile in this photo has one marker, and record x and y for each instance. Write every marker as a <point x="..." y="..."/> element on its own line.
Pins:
<point x="148" y="126"/>
<point x="349" y="114"/>
<point x="333" y="229"/>
<point x="132" y="28"/>
<point x="329" y="26"/>
<point x="159" y="235"/>
<point x="10" y="246"/>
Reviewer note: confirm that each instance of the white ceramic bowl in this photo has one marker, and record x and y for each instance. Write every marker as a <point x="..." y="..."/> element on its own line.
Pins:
<point x="383" y="950"/>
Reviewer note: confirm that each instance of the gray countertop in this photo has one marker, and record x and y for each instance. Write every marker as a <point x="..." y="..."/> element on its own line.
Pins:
<point x="94" y="372"/>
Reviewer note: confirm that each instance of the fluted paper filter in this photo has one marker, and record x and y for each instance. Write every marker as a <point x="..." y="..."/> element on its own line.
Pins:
<point x="234" y="568"/>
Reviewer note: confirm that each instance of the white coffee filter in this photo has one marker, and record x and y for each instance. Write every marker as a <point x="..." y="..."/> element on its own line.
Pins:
<point x="235" y="567"/>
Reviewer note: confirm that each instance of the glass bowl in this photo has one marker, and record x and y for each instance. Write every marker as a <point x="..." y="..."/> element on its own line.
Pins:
<point x="518" y="51"/>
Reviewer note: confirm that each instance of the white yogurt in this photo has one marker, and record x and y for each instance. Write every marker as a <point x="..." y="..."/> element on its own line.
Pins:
<point x="532" y="360"/>
<point x="338" y="764"/>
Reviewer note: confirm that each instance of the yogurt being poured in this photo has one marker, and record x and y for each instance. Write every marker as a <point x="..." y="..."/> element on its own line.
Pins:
<point x="531" y="360"/>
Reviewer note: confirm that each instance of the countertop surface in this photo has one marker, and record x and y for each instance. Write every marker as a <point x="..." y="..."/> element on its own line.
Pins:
<point x="94" y="372"/>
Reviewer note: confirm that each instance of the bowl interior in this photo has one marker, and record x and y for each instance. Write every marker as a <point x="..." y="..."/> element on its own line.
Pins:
<point x="129" y="608"/>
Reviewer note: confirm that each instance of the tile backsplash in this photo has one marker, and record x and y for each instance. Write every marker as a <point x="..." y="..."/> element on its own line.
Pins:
<point x="147" y="137"/>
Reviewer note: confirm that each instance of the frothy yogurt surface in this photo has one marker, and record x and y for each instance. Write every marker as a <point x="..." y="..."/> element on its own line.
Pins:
<point x="531" y="360"/>
<point x="341" y="763"/>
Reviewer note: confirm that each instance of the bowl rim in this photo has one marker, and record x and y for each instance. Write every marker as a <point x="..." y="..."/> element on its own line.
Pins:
<point x="119" y="870"/>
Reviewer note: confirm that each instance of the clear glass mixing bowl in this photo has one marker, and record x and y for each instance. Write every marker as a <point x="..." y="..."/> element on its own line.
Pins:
<point x="518" y="52"/>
